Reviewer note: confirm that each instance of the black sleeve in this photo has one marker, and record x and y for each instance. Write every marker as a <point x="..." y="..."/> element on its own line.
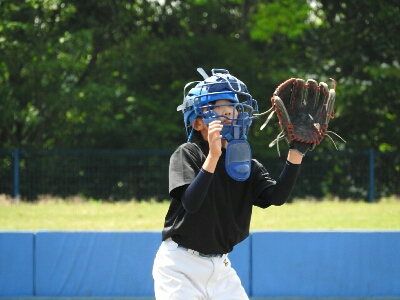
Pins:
<point x="279" y="193"/>
<point x="185" y="163"/>
<point x="193" y="195"/>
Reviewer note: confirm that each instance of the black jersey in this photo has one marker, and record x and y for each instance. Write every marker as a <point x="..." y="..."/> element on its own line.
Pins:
<point x="223" y="219"/>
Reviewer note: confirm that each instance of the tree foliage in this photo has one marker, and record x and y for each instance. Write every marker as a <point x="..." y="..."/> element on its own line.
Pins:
<point x="109" y="74"/>
<point x="361" y="41"/>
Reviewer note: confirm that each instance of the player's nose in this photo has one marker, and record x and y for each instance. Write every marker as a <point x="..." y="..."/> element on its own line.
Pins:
<point x="227" y="111"/>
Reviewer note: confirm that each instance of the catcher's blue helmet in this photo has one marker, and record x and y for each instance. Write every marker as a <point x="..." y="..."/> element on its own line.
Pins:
<point x="200" y="100"/>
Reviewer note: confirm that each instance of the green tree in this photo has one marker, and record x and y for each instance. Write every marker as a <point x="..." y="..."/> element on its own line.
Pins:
<point x="109" y="74"/>
<point x="360" y="44"/>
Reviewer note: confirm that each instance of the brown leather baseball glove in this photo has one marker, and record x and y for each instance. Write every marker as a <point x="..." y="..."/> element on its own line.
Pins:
<point x="304" y="110"/>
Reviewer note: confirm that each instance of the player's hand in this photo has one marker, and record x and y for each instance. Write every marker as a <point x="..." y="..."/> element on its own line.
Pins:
<point x="214" y="138"/>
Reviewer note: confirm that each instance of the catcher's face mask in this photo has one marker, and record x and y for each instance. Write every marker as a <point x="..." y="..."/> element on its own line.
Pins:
<point x="202" y="101"/>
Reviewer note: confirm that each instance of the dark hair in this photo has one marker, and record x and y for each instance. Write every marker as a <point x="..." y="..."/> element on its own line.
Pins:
<point x="196" y="137"/>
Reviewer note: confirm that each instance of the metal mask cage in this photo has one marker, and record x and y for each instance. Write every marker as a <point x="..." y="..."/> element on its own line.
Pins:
<point x="235" y="126"/>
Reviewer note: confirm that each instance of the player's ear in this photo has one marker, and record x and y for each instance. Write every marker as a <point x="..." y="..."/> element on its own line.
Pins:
<point x="198" y="124"/>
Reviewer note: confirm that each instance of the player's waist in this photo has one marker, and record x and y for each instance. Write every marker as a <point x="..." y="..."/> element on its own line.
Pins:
<point x="199" y="253"/>
<point x="171" y="243"/>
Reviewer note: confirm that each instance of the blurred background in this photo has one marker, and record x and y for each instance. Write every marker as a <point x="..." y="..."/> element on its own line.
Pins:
<point x="89" y="89"/>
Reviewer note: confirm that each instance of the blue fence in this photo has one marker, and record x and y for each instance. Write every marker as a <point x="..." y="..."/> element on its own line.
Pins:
<point x="115" y="175"/>
<point x="359" y="264"/>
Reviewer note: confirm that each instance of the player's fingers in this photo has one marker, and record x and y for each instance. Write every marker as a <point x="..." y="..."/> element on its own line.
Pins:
<point x="215" y="123"/>
<point x="215" y="127"/>
<point x="214" y="135"/>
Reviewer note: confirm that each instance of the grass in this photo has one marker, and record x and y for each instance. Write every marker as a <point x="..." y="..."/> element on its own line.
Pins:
<point x="330" y="215"/>
<point x="81" y="215"/>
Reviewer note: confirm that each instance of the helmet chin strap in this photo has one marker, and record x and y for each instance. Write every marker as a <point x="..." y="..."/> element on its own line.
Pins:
<point x="190" y="135"/>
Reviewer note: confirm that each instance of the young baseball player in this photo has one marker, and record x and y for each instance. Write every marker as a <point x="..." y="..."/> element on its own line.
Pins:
<point x="214" y="183"/>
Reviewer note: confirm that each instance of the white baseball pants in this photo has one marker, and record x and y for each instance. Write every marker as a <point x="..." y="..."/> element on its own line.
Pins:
<point x="180" y="274"/>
